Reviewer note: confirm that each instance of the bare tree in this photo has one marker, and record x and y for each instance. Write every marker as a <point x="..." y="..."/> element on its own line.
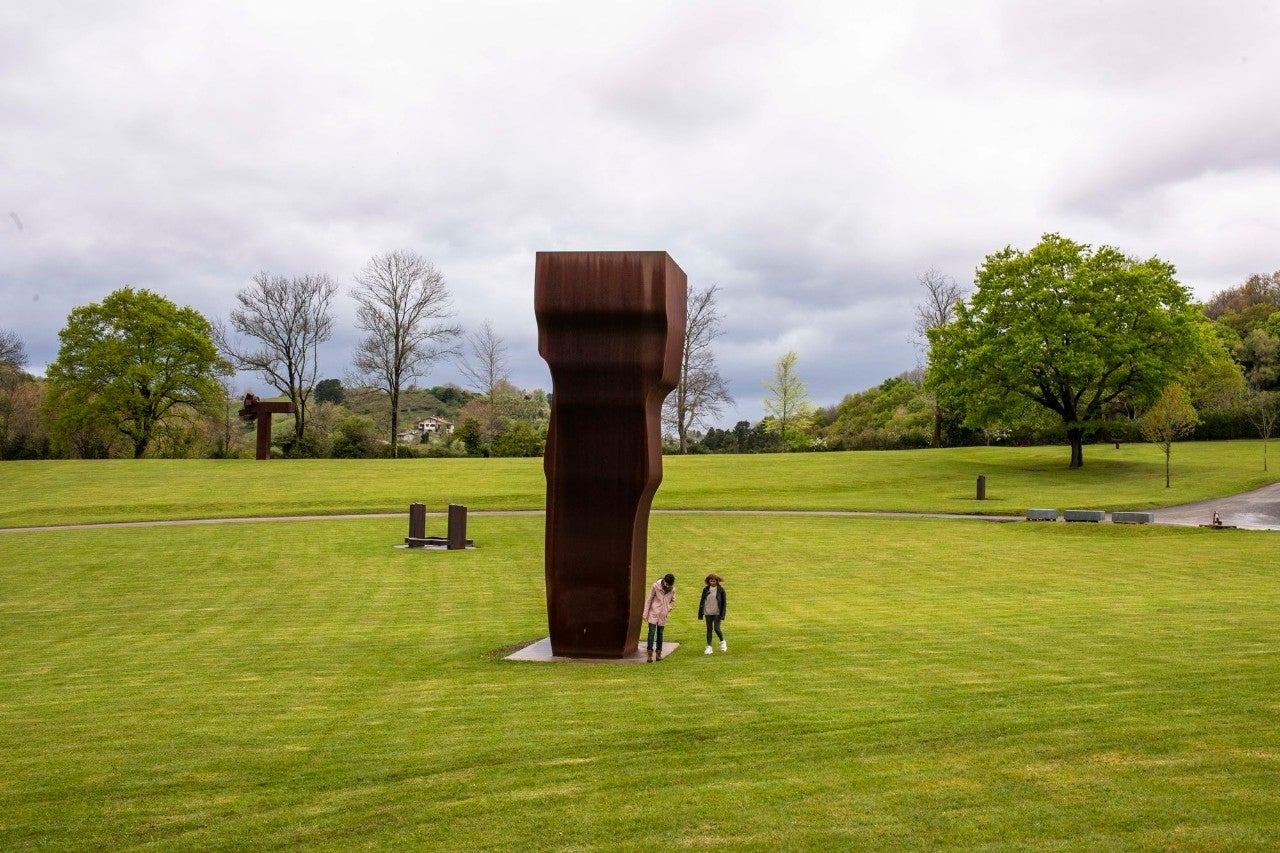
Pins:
<point x="1263" y="407"/>
<point x="13" y="357"/>
<point x="289" y="318"/>
<point x="406" y="311"/>
<point x="484" y="366"/>
<point x="942" y="294"/>
<point x="702" y="392"/>
<point x="788" y="397"/>
<point x="13" y="353"/>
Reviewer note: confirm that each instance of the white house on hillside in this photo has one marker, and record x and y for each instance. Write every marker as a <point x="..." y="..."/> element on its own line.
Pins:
<point x="434" y="425"/>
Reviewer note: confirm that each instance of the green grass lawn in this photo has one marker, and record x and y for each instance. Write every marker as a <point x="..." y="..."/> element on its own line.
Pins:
<point x="1130" y="478"/>
<point x="891" y="683"/>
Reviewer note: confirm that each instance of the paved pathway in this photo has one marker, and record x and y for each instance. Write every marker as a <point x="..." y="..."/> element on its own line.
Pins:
<point x="1256" y="510"/>
<point x="816" y="512"/>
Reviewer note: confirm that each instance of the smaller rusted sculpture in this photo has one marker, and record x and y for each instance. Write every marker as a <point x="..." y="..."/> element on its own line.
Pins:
<point x="455" y="540"/>
<point x="256" y="410"/>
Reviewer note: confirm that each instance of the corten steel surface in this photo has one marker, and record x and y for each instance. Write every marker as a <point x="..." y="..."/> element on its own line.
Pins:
<point x="417" y="525"/>
<point x="456" y="540"/>
<point x="611" y="328"/>
<point x="457" y="527"/>
<point x="255" y="409"/>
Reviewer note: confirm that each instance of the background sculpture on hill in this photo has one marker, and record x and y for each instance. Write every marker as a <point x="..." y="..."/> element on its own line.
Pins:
<point x="256" y="410"/>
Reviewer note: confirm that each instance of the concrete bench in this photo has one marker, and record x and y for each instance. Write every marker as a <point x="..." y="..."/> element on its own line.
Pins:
<point x="1133" y="517"/>
<point x="1042" y="515"/>
<point x="1084" y="514"/>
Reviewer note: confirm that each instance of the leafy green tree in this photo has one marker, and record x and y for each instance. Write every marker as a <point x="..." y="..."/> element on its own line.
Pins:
<point x="1216" y="381"/>
<point x="1259" y="355"/>
<point x="134" y="363"/>
<point x="519" y="439"/>
<point x="1169" y="418"/>
<point x="788" y="400"/>
<point x="329" y="391"/>
<point x="896" y="414"/>
<point x="1247" y="306"/>
<point x="356" y="437"/>
<point x="471" y="435"/>
<point x="1067" y="328"/>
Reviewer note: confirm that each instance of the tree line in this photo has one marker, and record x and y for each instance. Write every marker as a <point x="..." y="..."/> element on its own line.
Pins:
<point x="1060" y="343"/>
<point x="137" y="375"/>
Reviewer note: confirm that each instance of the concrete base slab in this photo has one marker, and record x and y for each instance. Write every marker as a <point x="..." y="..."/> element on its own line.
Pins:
<point x="540" y="652"/>
<point x="432" y="547"/>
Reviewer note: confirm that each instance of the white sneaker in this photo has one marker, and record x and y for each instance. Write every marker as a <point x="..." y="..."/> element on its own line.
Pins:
<point x="724" y="647"/>
<point x="708" y="651"/>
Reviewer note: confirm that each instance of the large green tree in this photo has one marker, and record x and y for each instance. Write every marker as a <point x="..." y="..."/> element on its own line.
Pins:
<point x="1067" y="327"/>
<point x="132" y="364"/>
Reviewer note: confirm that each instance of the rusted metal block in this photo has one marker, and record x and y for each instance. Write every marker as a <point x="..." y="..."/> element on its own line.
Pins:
<point x="611" y="329"/>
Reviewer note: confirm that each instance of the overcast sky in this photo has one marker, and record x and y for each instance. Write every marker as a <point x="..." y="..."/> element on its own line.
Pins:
<point x="810" y="158"/>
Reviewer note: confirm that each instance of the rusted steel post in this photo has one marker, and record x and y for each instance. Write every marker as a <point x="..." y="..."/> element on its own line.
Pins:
<point x="457" y="527"/>
<point x="417" y="525"/>
<point x="256" y="410"/>
<point x="611" y="328"/>
<point x="264" y="435"/>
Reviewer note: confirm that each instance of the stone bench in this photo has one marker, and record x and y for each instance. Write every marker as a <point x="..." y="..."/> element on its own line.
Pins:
<point x="1042" y="515"/>
<point x="1133" y="517"/>
<point x="1084" y="514"/>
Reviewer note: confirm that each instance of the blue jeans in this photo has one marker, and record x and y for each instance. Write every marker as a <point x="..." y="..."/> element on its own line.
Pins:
<point x="652" y="629"/>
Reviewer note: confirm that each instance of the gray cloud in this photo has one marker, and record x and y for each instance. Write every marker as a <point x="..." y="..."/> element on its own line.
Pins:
<point x="810" y="158"/>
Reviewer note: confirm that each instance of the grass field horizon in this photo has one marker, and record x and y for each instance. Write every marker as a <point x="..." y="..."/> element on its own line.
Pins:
<point x="1128" y="478"/>
<point x="891" y="683"/>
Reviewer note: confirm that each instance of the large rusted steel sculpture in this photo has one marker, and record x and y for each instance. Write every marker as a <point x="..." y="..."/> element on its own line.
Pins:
<point x="611" y="328"/>
<point x="256" y="410"/>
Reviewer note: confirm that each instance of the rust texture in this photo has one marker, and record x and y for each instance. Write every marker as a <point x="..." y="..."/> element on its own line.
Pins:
<point x="611" y="328"/>
<point x="417" y="525"/>
<point x="256" y="410"/>
<point x="456" y="538"/>
<point x="457" y="530"/>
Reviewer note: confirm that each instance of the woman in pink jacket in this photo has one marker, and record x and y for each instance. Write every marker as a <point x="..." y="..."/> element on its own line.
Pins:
<point x="662" y="597"/>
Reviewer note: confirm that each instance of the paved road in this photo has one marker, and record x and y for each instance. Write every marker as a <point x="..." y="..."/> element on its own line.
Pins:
<point x="1256" y="510"/>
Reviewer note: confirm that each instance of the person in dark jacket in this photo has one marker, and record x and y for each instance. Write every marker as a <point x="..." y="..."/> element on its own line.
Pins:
<point x="712" y="608"/>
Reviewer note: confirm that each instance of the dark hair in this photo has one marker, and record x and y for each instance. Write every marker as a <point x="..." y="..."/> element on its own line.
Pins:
<point x="669" y="579"/>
